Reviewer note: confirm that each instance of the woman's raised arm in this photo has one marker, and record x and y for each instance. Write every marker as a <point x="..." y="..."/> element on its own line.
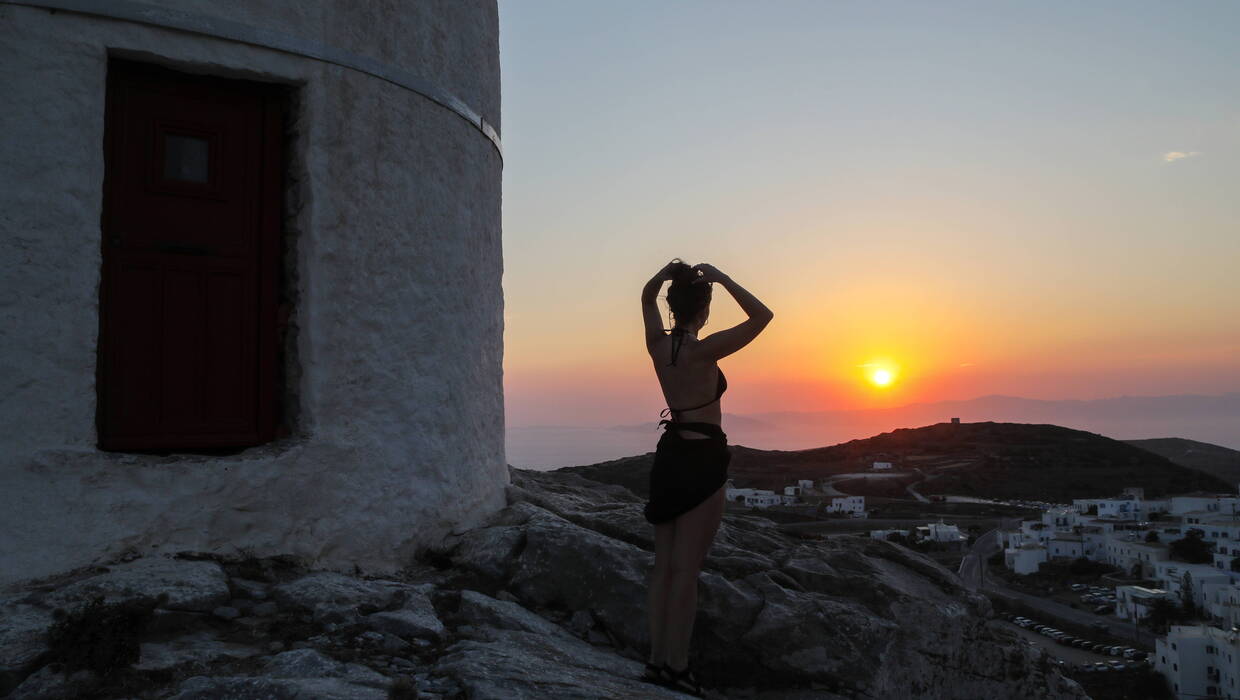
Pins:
<point x="650" y="305"/>
<point x="728" y="341"/>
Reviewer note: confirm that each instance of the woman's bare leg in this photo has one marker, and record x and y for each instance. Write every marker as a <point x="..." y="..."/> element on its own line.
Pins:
<point x="656" y="602"/>
<point x="695" y="531"/>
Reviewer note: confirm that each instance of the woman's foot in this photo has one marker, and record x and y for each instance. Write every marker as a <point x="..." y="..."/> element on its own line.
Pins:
<point x="684" y="680"/>
<point x="657" y="673"/>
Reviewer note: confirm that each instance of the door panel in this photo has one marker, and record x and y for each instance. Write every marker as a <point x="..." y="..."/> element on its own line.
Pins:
<point x="190" y="260"/>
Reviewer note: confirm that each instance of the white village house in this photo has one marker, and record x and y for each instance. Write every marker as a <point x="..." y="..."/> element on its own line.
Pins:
<point x="754" y="498"/>
<point x="942" y="533"/>
<point x="1025" y="558"/>
<point x="252" y="266"/>
<point x="854" y="506"/>
<point x="1199" y="661"/>
<point x="1133" y="603"/>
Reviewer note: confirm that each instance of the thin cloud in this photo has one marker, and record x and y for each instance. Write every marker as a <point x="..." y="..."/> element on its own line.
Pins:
<point x="1173" y="156"/>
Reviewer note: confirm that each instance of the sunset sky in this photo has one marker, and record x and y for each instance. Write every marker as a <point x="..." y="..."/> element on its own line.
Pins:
<point x="1034" y="199"/>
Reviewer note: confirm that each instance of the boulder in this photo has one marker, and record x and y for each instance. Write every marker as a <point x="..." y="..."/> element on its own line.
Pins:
<point x="330" y="588"/>
<point x="407" y="623"/>
<point x="515" y="665"/>
<point x="46" y="684"/>
<point x="262" y="688"/>
<point x="566" y="566"/>
<point x="481" y="610"/>
<point x="23" y="640"/>
<point x="197" y="649"/>
<point x="416" y="618"/>
<point x="310" y="663"/>
<point x="191" y="585"/>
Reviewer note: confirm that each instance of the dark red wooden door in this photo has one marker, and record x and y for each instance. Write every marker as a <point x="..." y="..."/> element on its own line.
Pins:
<point x="191" y="223"/>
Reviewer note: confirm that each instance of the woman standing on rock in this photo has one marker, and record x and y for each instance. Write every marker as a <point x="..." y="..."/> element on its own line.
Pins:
<point x="691" y="460"/>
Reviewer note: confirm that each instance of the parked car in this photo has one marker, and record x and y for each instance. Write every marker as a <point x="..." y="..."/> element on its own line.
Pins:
<point x="1118" y="665"/>
<point x="1104" y="609"/>
<point x="1078" y="586"/>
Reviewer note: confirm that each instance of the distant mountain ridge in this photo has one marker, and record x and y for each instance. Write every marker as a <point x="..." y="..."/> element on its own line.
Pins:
<point x="1201" y="418"/>
<point x="1211" y="419"/>
<point x="1202" y="456"/>
<point x="995" y="460"/>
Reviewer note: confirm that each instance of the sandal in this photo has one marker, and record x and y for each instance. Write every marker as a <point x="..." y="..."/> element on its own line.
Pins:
<point x="656" y="673"/>
<point x="684" y="680"/>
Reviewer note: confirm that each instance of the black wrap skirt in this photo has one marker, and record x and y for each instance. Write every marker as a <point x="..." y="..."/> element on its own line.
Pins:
<point x="686" y="471"/>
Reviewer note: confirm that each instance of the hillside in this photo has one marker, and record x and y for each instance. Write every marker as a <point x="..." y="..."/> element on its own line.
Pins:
<point x="988" y="460"/>
<point x="1202" y="456"/>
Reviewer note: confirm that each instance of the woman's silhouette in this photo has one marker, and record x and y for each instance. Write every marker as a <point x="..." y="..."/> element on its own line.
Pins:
<point x="691" y="461"/>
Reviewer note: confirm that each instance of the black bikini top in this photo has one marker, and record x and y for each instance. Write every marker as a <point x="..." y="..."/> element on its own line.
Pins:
<point x="722" y="386"/>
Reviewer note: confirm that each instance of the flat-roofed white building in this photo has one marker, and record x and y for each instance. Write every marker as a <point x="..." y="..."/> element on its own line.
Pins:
<point x="1026" y="558"/>
<point x="1202" y="578"/>
<point x="755" y="498"/>
<point x="1065" y="545"/>
<point x="1119" y="550"/>
<point x="853" y="505"/>
<point x="1130" y="505"/>
<point x="1223" y="604"/>
<point x="1035" y="531"/>
<point x="1133" y="603"/>
<point x="878" y="466"/>
<point x="942" y="532"/>
<point x="792" y="494"/>
<point x="1214" y="503"/>
<point x="1199" y="661"/>
<point x="806" y="484"/>
<point x="1063" y="519"/>
<point x="1011" y="538"/>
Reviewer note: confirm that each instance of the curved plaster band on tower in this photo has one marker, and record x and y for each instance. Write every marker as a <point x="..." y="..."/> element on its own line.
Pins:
<point x="127" y="11"/>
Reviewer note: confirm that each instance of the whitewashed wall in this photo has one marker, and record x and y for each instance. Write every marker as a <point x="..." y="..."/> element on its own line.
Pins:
<point x="394" y="214"/>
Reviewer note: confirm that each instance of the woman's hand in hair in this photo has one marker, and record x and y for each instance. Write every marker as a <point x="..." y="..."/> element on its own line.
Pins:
<point x="708" y="273"/>
<point x="669" y="270"/>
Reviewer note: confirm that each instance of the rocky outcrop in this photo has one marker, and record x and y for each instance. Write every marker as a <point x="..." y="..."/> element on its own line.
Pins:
<point x="547" y="600"/>
<point x="846" y="616"/>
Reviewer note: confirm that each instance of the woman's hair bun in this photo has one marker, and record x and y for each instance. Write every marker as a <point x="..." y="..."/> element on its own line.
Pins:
<point x="686" y="299"/>
<point x="683" y="273"/>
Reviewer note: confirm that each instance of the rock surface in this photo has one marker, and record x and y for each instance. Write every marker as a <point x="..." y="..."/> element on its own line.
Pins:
<point x="547" y="600"/>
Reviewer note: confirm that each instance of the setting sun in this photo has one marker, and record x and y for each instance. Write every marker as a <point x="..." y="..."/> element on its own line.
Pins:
<point x="881" y="377"/>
